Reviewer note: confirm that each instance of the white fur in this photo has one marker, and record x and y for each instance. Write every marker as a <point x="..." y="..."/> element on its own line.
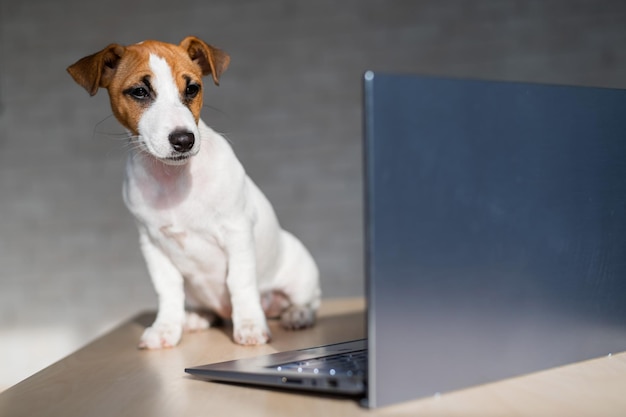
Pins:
<point x="209" y="236"/>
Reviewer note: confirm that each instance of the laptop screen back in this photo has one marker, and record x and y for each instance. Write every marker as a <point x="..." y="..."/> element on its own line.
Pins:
<point x="495" y="230"/>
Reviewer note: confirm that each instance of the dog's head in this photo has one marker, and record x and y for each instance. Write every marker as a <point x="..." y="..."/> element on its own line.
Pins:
<point x="155" y="90"/>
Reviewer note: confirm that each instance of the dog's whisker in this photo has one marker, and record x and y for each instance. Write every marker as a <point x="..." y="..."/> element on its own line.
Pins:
<point x="131" y="147"/>
<point x="134" y="147"/>
<point x="130" y="140"/>
<point x="121" y="135"/>
<point x="132" y="144"/>
<point x="98" y="132"/>
<point x="224" y="135"/>
<point x="215" y="109"/>
<point x="228" y="139"/>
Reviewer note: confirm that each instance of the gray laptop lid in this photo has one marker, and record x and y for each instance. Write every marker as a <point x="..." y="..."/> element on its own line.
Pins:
<point x="496" y="230"/>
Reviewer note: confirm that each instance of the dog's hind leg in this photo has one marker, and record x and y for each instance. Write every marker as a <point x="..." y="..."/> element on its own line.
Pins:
<point x="297" y="317"/>
<point x="298" y="279"/>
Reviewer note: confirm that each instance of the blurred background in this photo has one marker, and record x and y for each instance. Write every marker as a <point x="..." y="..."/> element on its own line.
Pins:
<point x="290" y="103"/>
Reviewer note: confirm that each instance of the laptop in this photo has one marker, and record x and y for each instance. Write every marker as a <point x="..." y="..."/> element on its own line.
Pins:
<point x="495" y="240"/>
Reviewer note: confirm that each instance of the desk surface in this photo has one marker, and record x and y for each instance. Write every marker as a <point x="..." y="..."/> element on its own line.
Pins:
<point x="111" y="377"/>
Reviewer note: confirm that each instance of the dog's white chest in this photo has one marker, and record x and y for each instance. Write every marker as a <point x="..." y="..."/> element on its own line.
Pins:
<point x="172" y="210"/>
<point x="195" y="253"/>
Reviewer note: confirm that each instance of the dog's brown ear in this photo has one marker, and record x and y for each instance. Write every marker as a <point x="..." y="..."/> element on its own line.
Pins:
<point x="211" y="60"/>
<point x="95" y="71"/>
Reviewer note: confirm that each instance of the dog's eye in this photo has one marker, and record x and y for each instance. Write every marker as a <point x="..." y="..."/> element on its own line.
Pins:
<point x="140" y="93"/>
<point x="192" y="90"/>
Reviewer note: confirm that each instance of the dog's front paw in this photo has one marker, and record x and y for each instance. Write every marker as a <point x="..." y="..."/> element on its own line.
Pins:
<point x="297" y="317"/>
<point x="250" y="332"/>
<point x="161" y="336"/>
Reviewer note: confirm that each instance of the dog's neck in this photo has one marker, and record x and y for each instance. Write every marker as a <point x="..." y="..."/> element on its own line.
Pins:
<point x="162" y="185"/>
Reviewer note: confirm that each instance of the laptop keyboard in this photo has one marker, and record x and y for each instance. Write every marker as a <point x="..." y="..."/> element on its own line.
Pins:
<point x="348" y="364"/>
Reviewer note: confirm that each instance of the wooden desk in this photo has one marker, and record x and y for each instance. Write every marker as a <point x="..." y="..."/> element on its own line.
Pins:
<point x="111" y="377"/>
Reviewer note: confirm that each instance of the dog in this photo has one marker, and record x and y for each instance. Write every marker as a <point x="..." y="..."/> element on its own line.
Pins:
<point x="212" y="243"/>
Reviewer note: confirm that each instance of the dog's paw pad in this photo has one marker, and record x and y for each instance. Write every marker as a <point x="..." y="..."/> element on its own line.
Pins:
<point x="161" y="336"/>
<point x="297" y="317"/>
<point x="251" y="333"/>
<point x="199" y="320"/>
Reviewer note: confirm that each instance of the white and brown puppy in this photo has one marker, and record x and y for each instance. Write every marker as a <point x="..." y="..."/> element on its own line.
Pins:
<point x="210" y="238"/>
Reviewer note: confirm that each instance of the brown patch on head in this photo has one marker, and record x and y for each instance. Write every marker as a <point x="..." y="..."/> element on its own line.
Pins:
<point x="126" y="73"/>
<point x="212" y="60"/>
<point x="134" y="74"/>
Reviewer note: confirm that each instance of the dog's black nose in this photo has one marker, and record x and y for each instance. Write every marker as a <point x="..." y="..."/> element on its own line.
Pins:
<point x="182" y="141"/>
